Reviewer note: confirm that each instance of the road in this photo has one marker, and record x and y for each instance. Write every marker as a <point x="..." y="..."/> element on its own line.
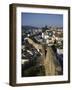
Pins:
<point x="49" y="61"/>
<point x="51" y="64"/>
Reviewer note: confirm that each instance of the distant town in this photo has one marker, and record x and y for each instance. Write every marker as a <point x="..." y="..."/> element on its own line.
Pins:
<point x="42" y="51"/>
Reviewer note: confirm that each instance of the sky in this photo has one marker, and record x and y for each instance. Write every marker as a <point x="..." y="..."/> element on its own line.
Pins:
<point x="41" y="20"/>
